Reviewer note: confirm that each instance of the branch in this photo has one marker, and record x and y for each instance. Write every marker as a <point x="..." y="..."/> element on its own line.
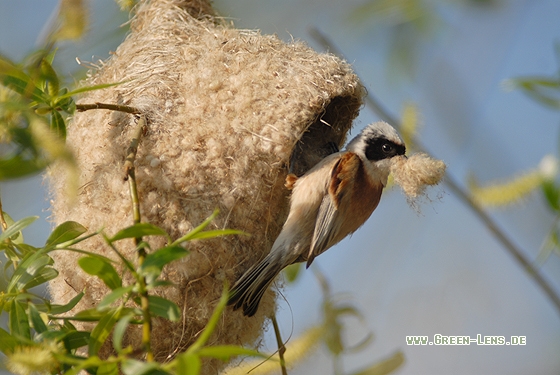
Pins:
<point x="2" y="219"/>
<point x="130" y="175"/>
<point x="111" y="107"/>
<point x="454" y="186"/>
<point x="281" y="346"/>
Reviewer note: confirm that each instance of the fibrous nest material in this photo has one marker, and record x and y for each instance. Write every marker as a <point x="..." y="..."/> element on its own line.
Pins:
<point x="415" y="173"/>
<point x="228" y="110"/>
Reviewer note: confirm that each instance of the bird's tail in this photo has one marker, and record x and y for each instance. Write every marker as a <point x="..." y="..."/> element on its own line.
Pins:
<point x="249" y="289"/>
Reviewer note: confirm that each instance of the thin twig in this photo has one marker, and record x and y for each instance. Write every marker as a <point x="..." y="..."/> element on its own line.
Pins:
<point x="281" y="346"/>
<point x="4" y="227"/>
<point x="111" y="107"/>
<point x="132" y="150"/>
<point x="131" y="177"/>
<point x="455" y="187"/>
<point x="130" y="174"/>
<point x="2" y="219"/>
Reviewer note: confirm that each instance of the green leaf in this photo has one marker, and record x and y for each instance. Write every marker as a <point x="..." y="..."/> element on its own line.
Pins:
<point x="42" y="276"/>
<point x="33" y="270"/>
<point x="76" y="339"/>
<point x="11" y="255"/>
<point x="333" y="338"/>
<point x="18" y="322"/>
<point x="361" y="345"/>
<point x="92" y="315"/>
<point x="7" y="342"/>
<point x="48" y="75"/>
<point x="214" y="234"/>
<point x="89" y="88"/>
<point x="27" y="276"/>
<point x="384" y="367"/>
<point x="58" y="125"/>
<point x="123" y="261"/>
<point x="552" y="194"/>
<point x="159" y="283"/>
<point x="139" y="230"/>
<point x="119" y="331"/>
<point x="211" y="325"/>
<point x="102" y="330"/>
<point x="544" y="90"/>
<point x="108" y="368"/>
<point x="78" y="364"/>
<point x="38" y="324"/>
<point x="15" y="229"/>
<point x="89" y="315"/>
<point x="88" y="253"/>
<point x="165" y="308"/>
<point x="188" y="364"/>
<point x="163" y="256"/>
<point x="225" y="352"/>
<point x="347" y="310"/>
<point x="18" y="238"/>
<point x="50" y="336"/>
<point x="66" y="231"/>
<point x="134" y="367"/>
<point x="25" y="249"/>
<point x="333" y="327"/>
<point x="25" y="297"/>
<point x="43" y="110"/>
<point x="68" y="326"/>
<point x="198" y="229"/>
<point x="19" y="166"/>
<point x="112" y="297"/>
<point x="61" y="309"/>
<point x="292" y="272"/>
<point x="101" y="268"/>
<point x="68" y="105"/>
<point x="16" y="79"/>
<point x="532" y="82"/>
<point x="50" y="55"/>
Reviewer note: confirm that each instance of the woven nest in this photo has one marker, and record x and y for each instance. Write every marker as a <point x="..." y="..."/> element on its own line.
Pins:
<point x="227" y="111"/>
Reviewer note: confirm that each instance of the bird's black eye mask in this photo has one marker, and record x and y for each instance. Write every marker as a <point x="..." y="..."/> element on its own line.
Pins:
<point x="382" y="148"/>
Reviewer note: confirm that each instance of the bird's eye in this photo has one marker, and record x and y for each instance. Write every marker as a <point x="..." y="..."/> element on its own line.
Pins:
<point x="387" y="148"/>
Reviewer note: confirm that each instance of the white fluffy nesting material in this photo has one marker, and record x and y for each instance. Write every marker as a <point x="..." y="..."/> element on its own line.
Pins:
<point x="415" y="173"/>
<point x="225" y="108"/>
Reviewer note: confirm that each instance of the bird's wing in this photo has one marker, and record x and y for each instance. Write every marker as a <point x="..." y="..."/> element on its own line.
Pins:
<point x="328" y="223"/>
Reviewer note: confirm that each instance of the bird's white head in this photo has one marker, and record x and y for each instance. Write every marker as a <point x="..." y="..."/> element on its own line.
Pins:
<point x="376" y="145"/>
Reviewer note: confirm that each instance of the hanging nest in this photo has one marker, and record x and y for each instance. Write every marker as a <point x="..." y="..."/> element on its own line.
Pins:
<point x="229" y="111"/>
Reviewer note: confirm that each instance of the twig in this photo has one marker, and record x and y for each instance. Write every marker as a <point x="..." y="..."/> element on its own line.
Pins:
<point x="2" y="219"/>
<point x="4" y="225"/>
<point x="111" y="107"/>
<point x="454" y="186"/>
<point x="281" y="346"/>
<point x="131" y="153"/>
<point x="130" y="175"/>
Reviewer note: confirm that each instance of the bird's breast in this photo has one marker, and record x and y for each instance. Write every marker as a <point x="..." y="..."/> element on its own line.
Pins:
<point x="361" y="202"/>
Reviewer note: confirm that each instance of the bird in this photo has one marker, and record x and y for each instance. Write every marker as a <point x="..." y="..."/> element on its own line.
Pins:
<point x="329" y="202"/>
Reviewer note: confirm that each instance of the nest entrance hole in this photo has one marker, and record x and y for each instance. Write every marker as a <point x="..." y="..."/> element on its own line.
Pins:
<point x="325" y="135"/>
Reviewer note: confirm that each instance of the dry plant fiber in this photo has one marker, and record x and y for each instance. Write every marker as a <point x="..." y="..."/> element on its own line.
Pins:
<point x="226" y="109"/>
<point x="415" y="173"/>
